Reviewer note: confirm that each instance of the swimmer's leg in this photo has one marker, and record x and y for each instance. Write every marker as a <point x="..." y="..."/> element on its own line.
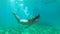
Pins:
<point x="30" y="25"/>
<point x="16" y="16"/>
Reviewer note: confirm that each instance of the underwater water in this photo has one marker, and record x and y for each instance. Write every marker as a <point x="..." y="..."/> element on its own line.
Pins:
<point x="49" y="22"/>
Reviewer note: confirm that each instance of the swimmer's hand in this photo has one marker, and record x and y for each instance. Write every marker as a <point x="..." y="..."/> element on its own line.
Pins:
<point x="14" y="13"/>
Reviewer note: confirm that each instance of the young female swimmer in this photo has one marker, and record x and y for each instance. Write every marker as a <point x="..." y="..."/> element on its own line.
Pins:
<point x="28" y="21"/>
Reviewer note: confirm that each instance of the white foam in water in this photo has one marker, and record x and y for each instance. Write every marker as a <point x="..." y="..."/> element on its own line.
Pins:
<point x="21" y="0"/>
<point x="12" y="1"/>
<point x="26" y="11"/>
<point x="21" y="5"/>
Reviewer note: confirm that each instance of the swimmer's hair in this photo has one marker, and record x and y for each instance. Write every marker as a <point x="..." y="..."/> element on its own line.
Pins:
<point x="34" y="18"/>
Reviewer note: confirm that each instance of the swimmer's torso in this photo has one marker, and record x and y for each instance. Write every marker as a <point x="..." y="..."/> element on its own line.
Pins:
<point x="22" y="20"/>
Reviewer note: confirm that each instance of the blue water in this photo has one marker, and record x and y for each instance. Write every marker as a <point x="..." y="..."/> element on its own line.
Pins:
<point x="49" y="11"/>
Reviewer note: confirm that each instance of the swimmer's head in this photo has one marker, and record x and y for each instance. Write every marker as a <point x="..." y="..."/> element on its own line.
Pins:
<point x="35" y="18"/>
<point x="14" y="13"/>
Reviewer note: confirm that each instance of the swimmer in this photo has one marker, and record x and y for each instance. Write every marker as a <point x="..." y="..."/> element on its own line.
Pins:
<point x="28" y="21"/>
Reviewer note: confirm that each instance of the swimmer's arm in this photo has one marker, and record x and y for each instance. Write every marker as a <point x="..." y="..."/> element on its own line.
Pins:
<point x="20" y="20"/>
<point x="17" y="17"/>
